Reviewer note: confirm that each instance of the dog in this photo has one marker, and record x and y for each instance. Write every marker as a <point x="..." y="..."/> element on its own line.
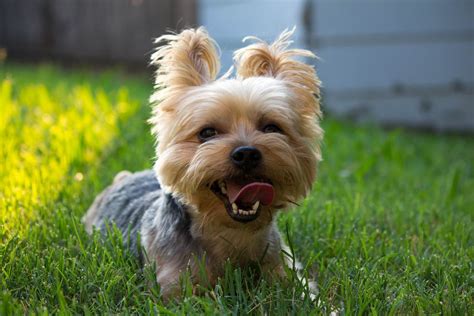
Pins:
<point x="231" y="153"/>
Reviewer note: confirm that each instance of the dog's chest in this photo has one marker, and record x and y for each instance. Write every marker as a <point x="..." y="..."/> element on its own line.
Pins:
<point x="242" y="248"/>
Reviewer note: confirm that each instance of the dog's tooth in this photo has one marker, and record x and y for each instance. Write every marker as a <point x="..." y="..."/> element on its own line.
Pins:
<point x="234" y="207"/>
<point x="256" y="205"/>
<point x="222" y="187"/>
<point x="234" y="211"/>
<point x="243" y="212"/>
<point x="252" y="212"/>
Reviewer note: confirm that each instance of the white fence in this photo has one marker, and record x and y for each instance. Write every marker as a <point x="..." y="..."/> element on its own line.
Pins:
<point x="406" y="62"/>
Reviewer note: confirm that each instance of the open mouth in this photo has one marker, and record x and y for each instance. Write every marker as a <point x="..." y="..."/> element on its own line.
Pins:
<point x="244" y="198"/>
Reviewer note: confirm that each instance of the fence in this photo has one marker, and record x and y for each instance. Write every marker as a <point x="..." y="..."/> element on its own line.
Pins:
<point x="398" y="62"/>
<point x="89" y="30"/>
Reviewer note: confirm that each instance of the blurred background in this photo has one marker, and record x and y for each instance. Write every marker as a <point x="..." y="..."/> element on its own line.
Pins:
<point x="395" y="62"/>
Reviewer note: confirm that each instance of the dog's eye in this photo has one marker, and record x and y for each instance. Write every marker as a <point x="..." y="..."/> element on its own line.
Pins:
<point x="207" y="133"/>
<point x="271" y="128"/>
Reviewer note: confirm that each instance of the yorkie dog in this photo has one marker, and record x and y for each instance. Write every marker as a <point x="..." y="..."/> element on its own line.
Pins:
<point x="231" y="152"/>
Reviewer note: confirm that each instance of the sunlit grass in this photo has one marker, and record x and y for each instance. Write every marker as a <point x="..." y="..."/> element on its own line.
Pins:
<point x="388" y="228"/>
<point x="46" y="133"/>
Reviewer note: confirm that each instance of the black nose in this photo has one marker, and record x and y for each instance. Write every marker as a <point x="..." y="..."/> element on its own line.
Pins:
<point x="246" y="157"/>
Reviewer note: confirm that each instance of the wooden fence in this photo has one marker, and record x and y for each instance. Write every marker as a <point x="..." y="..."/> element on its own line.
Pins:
<point x="89" y="30"/>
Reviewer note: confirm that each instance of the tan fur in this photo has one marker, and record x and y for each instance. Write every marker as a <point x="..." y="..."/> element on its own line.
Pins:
<point x="276" y="60"/>
<point x="271" y="87"/>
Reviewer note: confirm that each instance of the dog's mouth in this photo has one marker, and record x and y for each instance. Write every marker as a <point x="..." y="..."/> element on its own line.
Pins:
<point x="244" y="198"/>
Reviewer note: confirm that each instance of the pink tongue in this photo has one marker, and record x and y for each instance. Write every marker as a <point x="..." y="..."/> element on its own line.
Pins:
<point x="251" y="193"/>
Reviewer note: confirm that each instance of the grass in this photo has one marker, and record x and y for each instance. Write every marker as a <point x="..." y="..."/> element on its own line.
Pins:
<point x="388" y="228"/>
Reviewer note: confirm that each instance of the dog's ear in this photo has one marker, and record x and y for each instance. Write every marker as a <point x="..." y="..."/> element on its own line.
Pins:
<point x="185" y="60"/>
<point x="278" y="61"/>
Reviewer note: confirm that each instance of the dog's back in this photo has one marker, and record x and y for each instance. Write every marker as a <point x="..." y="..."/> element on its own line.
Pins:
<point x="124" y="203"/>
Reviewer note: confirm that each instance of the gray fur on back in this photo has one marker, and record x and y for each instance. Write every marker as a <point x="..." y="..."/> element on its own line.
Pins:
<point x="136" y="199"/>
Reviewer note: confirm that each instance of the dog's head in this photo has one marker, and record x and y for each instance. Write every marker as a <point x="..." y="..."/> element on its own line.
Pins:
<point x="235" y="149"/>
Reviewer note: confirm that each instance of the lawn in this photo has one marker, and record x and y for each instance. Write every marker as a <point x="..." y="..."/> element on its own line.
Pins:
<point x="388" y="228"/>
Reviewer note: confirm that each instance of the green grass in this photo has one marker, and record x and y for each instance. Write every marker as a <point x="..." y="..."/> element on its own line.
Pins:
<point x="388" y="228"/>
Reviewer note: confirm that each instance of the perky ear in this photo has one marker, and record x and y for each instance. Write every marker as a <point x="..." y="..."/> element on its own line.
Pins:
<point x="278" y="61"/>
<point x="185" y="60"/>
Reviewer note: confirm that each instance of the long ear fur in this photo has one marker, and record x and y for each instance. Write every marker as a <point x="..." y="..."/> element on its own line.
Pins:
<point x="276" y="60"/>
<point x="187" y="59"/>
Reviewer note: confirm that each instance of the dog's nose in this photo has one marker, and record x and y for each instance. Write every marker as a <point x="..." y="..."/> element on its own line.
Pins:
<point x="246" y="157"/>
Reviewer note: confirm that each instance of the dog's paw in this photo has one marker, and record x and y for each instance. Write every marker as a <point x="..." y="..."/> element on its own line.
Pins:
<point x="313" y="291"/>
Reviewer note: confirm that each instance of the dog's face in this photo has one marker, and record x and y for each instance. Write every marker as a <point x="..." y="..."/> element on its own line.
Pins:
<point x="235" y="149"/>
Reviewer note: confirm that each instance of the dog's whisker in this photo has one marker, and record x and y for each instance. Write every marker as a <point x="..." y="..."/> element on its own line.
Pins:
<point x="293" y="202"/>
